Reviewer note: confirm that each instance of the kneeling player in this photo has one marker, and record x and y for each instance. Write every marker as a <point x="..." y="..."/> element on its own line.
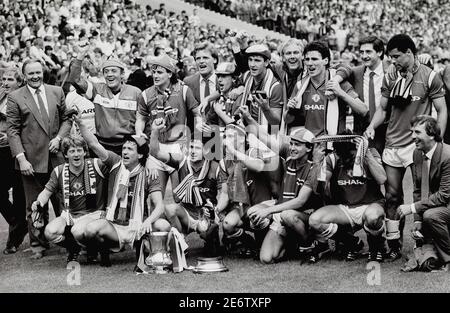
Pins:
<point x="202" y="187"/>
<point x="248" y="184"/>
<point x="353" y="177"/>
<point x="128" y="215"/>
<point x="80" y="184"/>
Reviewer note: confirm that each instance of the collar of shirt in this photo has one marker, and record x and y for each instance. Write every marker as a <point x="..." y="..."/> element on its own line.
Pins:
<point x="378" y="70"/>
<point x="430" y="153"/>
<point x="33" y="90"/>
<point x="211" y="78"/>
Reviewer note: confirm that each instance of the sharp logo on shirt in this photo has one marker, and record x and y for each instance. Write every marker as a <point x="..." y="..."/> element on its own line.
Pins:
<point x="415" y="98"/>
<point x="347" y="182"/>
<point x="314" y="107"/>
<point x="204" y="189"/>
<point x="249" y="182"/>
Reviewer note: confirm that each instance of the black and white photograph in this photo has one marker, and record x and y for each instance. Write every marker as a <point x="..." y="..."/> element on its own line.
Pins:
<point x="224" y="152"/>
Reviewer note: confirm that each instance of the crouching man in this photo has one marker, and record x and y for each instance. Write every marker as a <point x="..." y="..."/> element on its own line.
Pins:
<point x="291" y="212"/>
<point x="353" y="176"/>
<point x="128" y="215"/>
<point x="201" y="191"/>
<point x="80" y="181"/>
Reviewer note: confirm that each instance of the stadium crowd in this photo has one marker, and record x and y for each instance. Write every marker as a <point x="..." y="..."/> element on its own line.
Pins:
<point x="283" y="145"/>
<point x="343" y="23"/>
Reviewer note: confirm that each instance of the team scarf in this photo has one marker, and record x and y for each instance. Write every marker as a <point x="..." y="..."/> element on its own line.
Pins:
<point x="188" y="190"/>
<point x="119" y="198"/>
<point x="358" y="165"/>
<point x="402" y="86"/>
<point x="291" y="181"/>
<point x="267" y="84"/>
<point x="165" y="110"/>
<point x="90" y="183"/>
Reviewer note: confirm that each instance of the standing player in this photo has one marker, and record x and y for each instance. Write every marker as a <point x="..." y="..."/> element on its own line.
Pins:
<point x="115" y="103"/>
<point x="323" y="114"/>
<point x="416" y="91"/>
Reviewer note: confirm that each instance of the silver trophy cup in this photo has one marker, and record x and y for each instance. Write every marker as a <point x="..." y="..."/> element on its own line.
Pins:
<point x="159" y="257"/>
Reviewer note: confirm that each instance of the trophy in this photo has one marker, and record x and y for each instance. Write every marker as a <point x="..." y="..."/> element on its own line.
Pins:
<point x="159" y="258"/>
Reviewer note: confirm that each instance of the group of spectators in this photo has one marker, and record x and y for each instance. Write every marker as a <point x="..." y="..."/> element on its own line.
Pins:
<point x="343" y="23"/>
<point x="282" y="144"/>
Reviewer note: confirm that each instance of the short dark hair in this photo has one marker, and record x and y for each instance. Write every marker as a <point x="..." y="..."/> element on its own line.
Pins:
<point x="432" y="127"/>
<point x="144" y="149"/>
<point x="402" y="43"/>
<point x="73" y="141"/>
<point x="378" y="44"/>
<point x="320" y="47"/>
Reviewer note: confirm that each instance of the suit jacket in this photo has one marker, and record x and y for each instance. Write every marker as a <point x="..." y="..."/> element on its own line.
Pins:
<point x="193" y="82"/>
<point x="27" y="132"/>
<point x="439" y="179"/>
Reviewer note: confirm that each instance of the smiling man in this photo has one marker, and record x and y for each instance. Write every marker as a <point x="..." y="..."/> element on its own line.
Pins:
<point x="79" y="182"/>
<point x="37" y="121"/>
<point x="115" y="103"/>
<point x="431" y="178"/>
<point x="416" y="91"/>
<point x="202" y="187"/>
<point x="14" y="213"/>
<point x="289" y="215"/>
<point x="367" y="80"/>
<point x="321" y="100"/>
<point x="128" y="213"/>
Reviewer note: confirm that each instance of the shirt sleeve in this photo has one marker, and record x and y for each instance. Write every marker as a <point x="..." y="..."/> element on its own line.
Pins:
<point x="53" y="183"/>
<point x="386" y="87"/>
<point x="143" y="109"/>
<point x="154" y="185"/>
<point x="276" y="97"/>
<point x="437" y="87"/>
<point x="348" y="88"/>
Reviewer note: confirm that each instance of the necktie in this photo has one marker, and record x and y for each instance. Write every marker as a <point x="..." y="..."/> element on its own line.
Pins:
<point x="372" y="107"/>
<point x="425" y="185"/>
<point x="42" y="108"/>
<point x="206" y="87"/>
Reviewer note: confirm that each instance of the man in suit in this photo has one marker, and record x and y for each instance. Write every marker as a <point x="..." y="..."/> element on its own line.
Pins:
<point x="37" y="121"/>
<point x="367" y="80"/>
<point x="14" y="213"/>
<point x="202" y="83"/>
<point x="431" y="177"/>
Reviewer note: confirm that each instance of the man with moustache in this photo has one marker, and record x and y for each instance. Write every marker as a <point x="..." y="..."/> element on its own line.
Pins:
<point x="115" y="103"/>
<point x="37" y="121"/>
<point x="416" y="91"/>
<point x="14" y="213"/>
